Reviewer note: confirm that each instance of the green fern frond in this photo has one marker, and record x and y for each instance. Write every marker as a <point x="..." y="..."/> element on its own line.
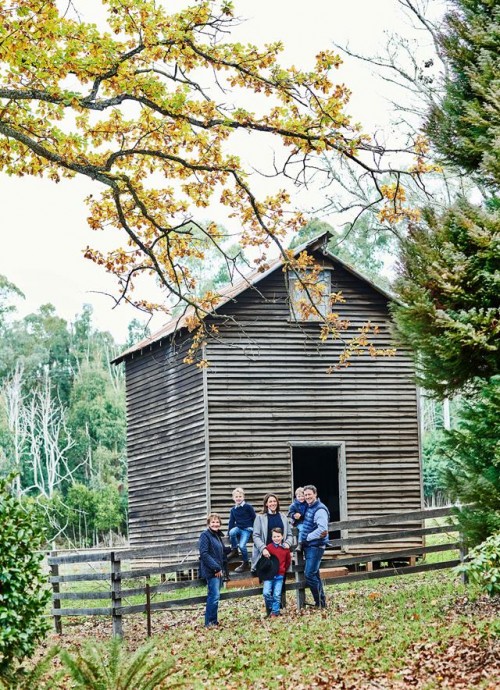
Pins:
<point x="138" y="662"/>
<point x="159" y="674"/>
<point x="109" y="667"/>
<point x="146" y="669"/>
<point x="85" y="672"/>
<point x="116" y="659"/>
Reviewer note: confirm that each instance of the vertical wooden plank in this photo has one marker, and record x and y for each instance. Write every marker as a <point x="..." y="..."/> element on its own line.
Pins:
<point x="206" y="432"/>
<point x="344" y="534"/>
<point x="56" y="604"/>
<point x="116" y="594"/>
<point x="148" y="608"/>
<point x="299" y="577"/>
<point x="463" y="557"/>
<point x="283" y="594"/>
<point x="420" y="436"/>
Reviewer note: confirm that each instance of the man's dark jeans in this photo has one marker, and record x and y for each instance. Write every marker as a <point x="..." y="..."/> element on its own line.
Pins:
<point x="313" y="556"/>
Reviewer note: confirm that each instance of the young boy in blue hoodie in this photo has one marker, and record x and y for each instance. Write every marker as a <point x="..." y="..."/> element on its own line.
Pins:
<point x="297" y="511"/>
<point x="240" y="528"/>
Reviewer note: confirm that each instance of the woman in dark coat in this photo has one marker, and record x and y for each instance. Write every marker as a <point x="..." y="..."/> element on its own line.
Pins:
<point x="213" y="564"/>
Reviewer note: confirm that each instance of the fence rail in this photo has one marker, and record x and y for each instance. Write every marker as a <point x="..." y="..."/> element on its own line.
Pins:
<point x="115" y="594"/>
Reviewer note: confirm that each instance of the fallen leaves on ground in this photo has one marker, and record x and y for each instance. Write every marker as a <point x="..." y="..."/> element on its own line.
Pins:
<point x="405" y="637"/>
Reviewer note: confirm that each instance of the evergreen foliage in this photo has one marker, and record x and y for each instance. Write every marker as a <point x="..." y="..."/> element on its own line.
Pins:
<point x="449" y="280"/>
<point x="483" y="565"/>
<point x="465" y="124"/>
<point x="434" y="465"/>
<point x="472" y="451"/>
<point x="23" y="591"/>
<point x="449" y="284"/>
<point x="111" y="667"/>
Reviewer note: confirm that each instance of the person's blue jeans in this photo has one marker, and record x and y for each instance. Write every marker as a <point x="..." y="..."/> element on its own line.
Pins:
<point x="239" y="537"/>
<point x="272" y="593"/>
<point x="313" y="556"/>
<point x="214" y="585"/>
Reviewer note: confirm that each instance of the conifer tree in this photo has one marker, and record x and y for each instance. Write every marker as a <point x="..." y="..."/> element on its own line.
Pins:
<point x="473" y="472"/>
<point x="465" y="125"/>
<point x="450" y="266"/>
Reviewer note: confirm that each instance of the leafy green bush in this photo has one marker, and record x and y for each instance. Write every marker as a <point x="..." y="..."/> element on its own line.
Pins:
<point x="111" y="667"/>
<point x="23" y="593"/>
<point x="84" y="516"/>
<point x="483" y="565"/>
<point x="473" y="471"/>
<point x="434" y="465"/>
<point x="89" y="513"/>
<point x="34" y="678"/>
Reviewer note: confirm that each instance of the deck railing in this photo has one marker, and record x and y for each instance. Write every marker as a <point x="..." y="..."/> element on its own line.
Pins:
<point x="121" y="561"/>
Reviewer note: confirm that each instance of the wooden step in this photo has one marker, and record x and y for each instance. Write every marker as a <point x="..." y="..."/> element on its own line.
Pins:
<point x="242" y="582"/>
<point x="327" y="573"/>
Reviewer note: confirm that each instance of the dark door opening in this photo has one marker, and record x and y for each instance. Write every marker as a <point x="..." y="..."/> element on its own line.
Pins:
<point x="319" y="465"/>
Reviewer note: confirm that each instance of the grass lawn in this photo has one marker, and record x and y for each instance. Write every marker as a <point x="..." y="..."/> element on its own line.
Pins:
<point x="419" y="631"/>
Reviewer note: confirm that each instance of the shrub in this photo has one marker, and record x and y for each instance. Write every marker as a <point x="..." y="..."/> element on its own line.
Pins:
<point x="23" y="593"/>
<point x="483" y="565"/>
<point x="34" y="678"/>
<point x="472" y="449"/>
<point x="111" y="667"/>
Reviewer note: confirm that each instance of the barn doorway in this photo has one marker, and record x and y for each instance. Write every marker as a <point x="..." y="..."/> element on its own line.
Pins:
<point x="321" y="465"/>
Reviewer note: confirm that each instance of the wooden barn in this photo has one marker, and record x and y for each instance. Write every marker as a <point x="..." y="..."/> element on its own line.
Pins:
<point x="266" y="415"/>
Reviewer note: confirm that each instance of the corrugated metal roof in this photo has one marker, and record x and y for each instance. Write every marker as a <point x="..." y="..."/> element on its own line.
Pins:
<point x="232" y="291"/>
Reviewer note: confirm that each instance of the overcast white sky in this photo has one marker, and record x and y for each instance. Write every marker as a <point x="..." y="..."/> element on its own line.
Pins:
<point x="43" y="225"/>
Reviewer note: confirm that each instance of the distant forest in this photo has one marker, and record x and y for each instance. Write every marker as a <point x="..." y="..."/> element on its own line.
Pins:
<point x="62" y="420"/>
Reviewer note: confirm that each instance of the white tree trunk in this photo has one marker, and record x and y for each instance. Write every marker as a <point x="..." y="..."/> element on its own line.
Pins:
<point x="14" y="404"/>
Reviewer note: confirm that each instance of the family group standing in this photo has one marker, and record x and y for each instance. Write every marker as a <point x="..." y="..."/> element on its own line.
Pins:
<point x="271" y="533"/>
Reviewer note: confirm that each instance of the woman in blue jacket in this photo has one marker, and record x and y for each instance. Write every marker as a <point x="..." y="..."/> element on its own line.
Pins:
<point x="213" y="564"/>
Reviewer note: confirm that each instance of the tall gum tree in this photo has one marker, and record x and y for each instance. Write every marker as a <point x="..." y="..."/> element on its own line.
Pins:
<point x="131" y="104"/>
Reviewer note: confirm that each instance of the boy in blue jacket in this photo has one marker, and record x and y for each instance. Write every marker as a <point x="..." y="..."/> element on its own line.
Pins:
<point x="241" y="519"/>
<point x="296" y="512"/>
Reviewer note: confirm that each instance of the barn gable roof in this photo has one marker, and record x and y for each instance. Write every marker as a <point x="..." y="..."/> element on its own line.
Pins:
<point x="318" y="243"/>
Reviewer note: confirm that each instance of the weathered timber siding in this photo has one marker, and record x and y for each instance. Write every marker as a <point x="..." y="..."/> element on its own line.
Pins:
<point x="166" y="447"/>
<point x="268" y="387"/>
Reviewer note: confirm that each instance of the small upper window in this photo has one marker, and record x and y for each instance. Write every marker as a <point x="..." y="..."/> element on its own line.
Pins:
<point x="310" y="295"/>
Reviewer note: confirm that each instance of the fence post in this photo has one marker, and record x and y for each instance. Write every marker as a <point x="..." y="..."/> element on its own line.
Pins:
<point x="299" y="577"/>
<point x="56" y="603"/>
<point x="148" y="607"/>
<point x="116" y="594"/>
<point x="463" y="557"/>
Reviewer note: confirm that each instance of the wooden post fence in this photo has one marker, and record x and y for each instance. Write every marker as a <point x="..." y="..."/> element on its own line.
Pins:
<point x="148" y="608"/>
<point x="300" y="595"/>
<point x="116" y="594"/>
<point x="410" y="546"/>
<point x="463" y="557"/>
<point x="54" y="572"/>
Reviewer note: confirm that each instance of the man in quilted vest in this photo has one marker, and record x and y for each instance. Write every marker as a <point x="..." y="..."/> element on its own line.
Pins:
<point x="314" y="540"/>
